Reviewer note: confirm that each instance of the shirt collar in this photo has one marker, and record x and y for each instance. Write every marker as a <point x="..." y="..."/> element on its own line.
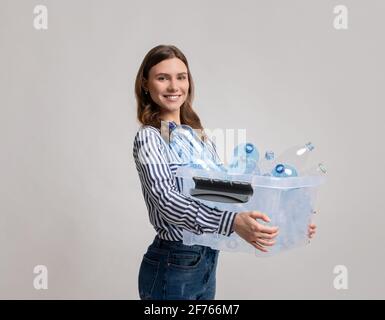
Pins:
<point x="172" y="125"/>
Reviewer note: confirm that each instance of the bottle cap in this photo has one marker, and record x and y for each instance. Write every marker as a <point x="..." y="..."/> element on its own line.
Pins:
<point x="269" y="155"/>
<point x="310" y="146"/>
<point x="322" y="167"/>
<point x="279" y="168"/>
<point x="249" y="148"/>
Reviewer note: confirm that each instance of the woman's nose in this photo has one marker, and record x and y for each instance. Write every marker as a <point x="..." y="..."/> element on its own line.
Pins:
<point x="173" y="86"/>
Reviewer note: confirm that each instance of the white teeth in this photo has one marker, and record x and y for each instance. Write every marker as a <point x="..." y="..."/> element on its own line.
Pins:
<point x="172" y="97"/>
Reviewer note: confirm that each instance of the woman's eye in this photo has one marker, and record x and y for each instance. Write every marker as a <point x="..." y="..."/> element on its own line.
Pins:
<point x="180" y="78"/>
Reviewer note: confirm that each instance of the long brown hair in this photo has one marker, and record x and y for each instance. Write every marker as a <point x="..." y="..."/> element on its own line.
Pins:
<point x="148" y="111"/>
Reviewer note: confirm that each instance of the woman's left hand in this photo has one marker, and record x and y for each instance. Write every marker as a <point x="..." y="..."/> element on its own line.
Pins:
<point x="311" y="230"/>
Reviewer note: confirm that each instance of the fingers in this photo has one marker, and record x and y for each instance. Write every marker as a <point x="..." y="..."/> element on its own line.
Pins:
<point x="263" y="231"/>
<point x="266" y="229"/>
<point x="260" y="244"/>
<point x="264" y="240"/>
<point x="254" y="232"/>
<point x="311" y="230"/>
<point x="268" y="243"/>
<point x="259" y="215"/>
<point x="264" y="217"/>
<point x="259" y="247"/>
<point x="268" y="236"/>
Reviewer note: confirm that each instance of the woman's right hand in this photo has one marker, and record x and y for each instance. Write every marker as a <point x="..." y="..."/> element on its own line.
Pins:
<point x="255" y="233"/>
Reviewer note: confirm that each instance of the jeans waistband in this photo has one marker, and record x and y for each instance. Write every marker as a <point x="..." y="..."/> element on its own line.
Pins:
<point x="168" y="244"/>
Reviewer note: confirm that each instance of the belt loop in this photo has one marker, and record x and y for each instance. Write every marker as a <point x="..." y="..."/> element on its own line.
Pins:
<point x="157" y="241"/>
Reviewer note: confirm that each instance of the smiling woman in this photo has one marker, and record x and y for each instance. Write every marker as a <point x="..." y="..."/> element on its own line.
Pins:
<point x="164" y="89"/>
<point x="168" y="90"/>
<point x="169" y="268"/>
<point x="162" y="78"/>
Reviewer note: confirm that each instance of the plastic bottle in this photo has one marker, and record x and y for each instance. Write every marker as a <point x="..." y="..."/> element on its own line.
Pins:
<point x="179" y="142"/>
<point x="266" y="164"/>
<point x="191" y="149"/>
<point x="295" y="157"/>
<point x="245" y="160"/>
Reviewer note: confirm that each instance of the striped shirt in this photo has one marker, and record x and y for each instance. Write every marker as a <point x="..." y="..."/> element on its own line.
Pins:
<point x="169" y="210"/>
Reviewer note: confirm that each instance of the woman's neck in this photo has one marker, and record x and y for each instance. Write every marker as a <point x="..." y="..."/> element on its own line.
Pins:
<point x="171" y="118"/>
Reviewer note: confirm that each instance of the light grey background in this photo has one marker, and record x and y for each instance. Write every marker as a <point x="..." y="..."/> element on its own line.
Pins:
<point x="70" y="196"/>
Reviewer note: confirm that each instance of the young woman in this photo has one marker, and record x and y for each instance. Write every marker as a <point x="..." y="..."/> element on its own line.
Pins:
<point x="171" y="270"/>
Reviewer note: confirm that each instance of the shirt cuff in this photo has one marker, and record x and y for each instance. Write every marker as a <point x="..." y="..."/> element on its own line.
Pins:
<point x="226" y="223"/>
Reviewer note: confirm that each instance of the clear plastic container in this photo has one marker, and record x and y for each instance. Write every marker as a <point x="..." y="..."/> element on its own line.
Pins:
<point x="289" y="203"/>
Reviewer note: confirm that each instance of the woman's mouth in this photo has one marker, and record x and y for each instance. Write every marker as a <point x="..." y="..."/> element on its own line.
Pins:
<point x="172" y="97"/>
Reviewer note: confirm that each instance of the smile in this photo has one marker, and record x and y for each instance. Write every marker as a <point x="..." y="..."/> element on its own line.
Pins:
<point x="172" y="97"/>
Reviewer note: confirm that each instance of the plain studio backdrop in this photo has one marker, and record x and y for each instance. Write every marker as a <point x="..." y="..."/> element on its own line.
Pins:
<point x="70" y="197"/>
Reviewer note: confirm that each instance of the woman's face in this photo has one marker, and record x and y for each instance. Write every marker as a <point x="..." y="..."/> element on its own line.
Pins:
<point x="168" y="84"/>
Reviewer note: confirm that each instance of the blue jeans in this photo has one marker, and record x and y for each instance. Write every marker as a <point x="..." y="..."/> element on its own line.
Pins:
<point x="171" y="270"/>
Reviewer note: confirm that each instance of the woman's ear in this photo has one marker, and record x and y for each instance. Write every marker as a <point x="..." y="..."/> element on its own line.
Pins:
<point x="144" y="85"/>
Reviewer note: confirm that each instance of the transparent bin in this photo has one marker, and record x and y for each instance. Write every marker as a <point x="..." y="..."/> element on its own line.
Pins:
<point x="288" y="202"/>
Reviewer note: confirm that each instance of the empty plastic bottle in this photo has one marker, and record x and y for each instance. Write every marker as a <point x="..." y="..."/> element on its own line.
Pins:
<point x="179" y="142"/>
<point x="191" y="149"/>
<point x="296" y="157"/>
<point x="245" y="159"/>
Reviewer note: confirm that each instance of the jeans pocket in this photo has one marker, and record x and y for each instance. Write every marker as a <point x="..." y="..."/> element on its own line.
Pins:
<point x="184" y="260"/>
<point x="147" y="277"/>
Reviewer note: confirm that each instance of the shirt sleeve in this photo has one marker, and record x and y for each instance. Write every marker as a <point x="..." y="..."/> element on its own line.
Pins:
<point x="160" y="185"/>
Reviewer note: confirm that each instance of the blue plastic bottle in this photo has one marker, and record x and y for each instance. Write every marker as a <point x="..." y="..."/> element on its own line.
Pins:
<point x="295" y="157"/>
<point x="245" y="160"/>
<point x="191" y="149"/>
